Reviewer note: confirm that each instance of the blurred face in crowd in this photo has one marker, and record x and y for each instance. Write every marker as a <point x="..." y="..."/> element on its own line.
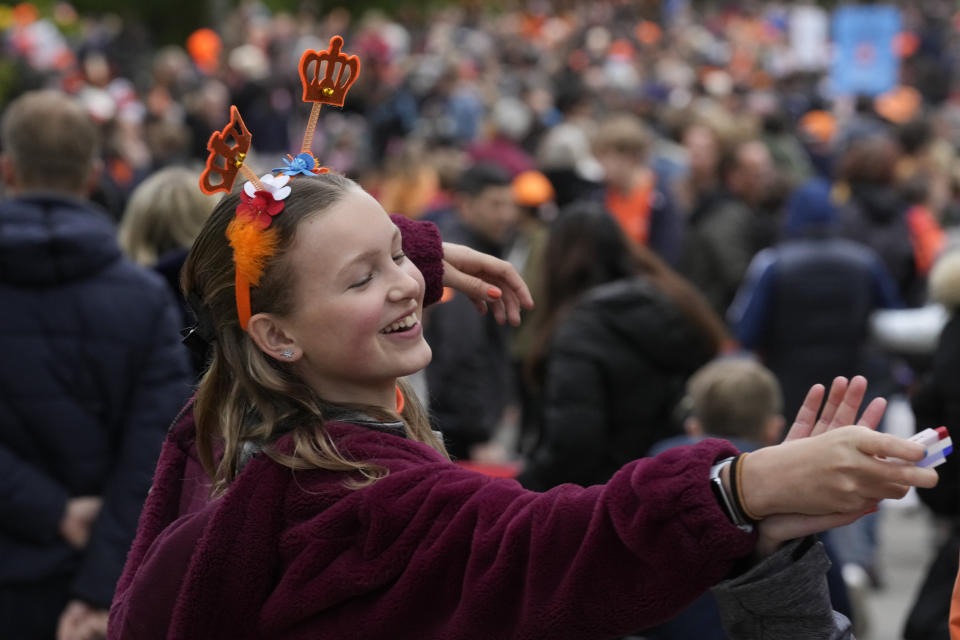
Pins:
<point x="704" y="152"/>
<point x="752" y="173"/>
<point x="618" y="168"/>
<point x="492" y="213"/>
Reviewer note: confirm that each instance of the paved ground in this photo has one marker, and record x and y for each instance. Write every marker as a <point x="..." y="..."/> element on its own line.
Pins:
<point x="905" y="550"/>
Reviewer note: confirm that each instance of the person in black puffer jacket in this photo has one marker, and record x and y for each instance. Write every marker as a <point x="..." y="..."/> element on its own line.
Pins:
<point x="935" y="402"/>
<point x="93" y="373"/>
<point x="620" y="335"/>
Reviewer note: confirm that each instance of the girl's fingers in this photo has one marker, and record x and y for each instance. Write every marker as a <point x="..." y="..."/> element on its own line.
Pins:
<point x="850" y="404"/>
<point x="873" y="413"/>
<point x="807" y="415"/>
<point x="837" y="390"/>
<point x="499" y="312"/>
<point x="512" y="305"/>
<point x="883" y="445"/>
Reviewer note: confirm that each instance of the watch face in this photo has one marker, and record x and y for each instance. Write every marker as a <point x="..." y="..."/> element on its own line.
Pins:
<point x="716" y="484"/>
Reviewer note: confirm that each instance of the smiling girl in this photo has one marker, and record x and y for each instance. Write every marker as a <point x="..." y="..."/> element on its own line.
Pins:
<point x="335" y="513"/>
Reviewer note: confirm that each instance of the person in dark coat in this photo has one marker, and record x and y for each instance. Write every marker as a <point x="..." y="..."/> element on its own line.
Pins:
<point x="936" y="402"/>
<point x="620" y="334"/>
<point x="93" y="373"/>
<point x="729" y="227"/>
<point x="820" y="330"/>
<point x="469" y="378"/>
<point x="805" y="308"/>
<point x="875" y="213"/>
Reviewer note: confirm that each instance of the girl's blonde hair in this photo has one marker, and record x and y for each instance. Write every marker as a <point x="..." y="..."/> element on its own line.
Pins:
<point x="247" y="396"/>
<point x="165" y="212"/>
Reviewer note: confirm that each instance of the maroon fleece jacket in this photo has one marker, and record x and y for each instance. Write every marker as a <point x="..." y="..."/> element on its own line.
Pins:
<point x="431" y="551"/>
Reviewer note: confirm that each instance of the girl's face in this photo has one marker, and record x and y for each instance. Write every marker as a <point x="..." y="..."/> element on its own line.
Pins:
<point x="358" y="301"/>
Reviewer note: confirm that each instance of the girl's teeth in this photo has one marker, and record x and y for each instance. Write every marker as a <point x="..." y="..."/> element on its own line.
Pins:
<point x="409" y="321"/>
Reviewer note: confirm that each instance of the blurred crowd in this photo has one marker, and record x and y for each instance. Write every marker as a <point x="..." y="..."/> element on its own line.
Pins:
<point x="674" y="185"/>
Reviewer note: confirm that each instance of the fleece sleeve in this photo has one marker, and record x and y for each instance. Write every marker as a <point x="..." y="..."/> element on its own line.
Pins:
<point x="160" y="390"/>
<point x="422" y="244"/>
<point x="447" y="553"/>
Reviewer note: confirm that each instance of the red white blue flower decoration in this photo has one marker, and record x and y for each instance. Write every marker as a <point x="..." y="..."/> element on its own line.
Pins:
<point x="259" y="207"/>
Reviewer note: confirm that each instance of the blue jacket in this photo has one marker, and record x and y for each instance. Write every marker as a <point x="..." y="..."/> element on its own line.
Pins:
<point x="92" y="374"/>
<point x="805" y="306"/>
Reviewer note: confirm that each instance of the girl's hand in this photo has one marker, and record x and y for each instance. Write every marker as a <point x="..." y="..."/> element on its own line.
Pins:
<point x="839" y="471"/>
<point x="843" y="402"/>
<point x="776" y="530"/>
<point x="835" y="475"/>
<point x="491" y="283"/>
<point x="822" y="470"/>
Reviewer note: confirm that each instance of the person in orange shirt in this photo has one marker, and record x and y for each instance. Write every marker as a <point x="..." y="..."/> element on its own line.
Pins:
<point x="632" y="193"/>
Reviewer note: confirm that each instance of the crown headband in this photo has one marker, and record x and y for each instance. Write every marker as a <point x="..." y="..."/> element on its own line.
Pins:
<point x="249" y="233"/>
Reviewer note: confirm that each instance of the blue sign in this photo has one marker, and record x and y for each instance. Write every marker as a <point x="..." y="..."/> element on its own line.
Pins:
<point x="673" y="10"/>
<point x="864" y="60"/>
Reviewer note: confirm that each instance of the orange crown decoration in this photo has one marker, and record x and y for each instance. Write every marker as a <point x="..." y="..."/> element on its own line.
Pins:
<point x="231" y="156"/>
<point x="253" y="243"/>
<point x="333" y="87"/>
<point x="249" y="233"/>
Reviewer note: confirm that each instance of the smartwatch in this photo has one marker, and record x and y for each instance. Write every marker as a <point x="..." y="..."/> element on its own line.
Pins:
<point x="716" y="484"/>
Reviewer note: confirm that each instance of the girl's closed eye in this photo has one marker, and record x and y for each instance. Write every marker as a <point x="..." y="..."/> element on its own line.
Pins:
<point x="397" y="258"/>
<point x="362" y="282"/>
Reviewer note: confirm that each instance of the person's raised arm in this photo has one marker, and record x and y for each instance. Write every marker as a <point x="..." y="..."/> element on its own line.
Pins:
<point x="574" y="562"/>
<point x="785" y="594"/>
<point x="489" y="282"/>
<point x="829" y="471"/>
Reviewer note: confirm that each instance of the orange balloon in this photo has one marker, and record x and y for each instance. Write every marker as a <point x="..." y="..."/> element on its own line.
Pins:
<point x="204" y="46"/>
<point x="25" y="13"/>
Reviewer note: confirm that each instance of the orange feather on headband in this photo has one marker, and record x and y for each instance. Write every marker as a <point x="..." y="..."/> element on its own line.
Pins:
<point x="252" y="247"/>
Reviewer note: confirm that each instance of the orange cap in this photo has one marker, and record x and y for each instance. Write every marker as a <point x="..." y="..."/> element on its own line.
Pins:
<point x="819" y="124"/>
<point x="531" y="189"/>
<point x="899" y="105"/>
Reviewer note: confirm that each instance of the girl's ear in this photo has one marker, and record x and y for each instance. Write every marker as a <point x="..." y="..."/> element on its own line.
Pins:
<point x="270" y="337"/>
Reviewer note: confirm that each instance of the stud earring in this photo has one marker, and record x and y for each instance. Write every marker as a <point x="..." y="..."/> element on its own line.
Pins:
<point x="287" y="353"/>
